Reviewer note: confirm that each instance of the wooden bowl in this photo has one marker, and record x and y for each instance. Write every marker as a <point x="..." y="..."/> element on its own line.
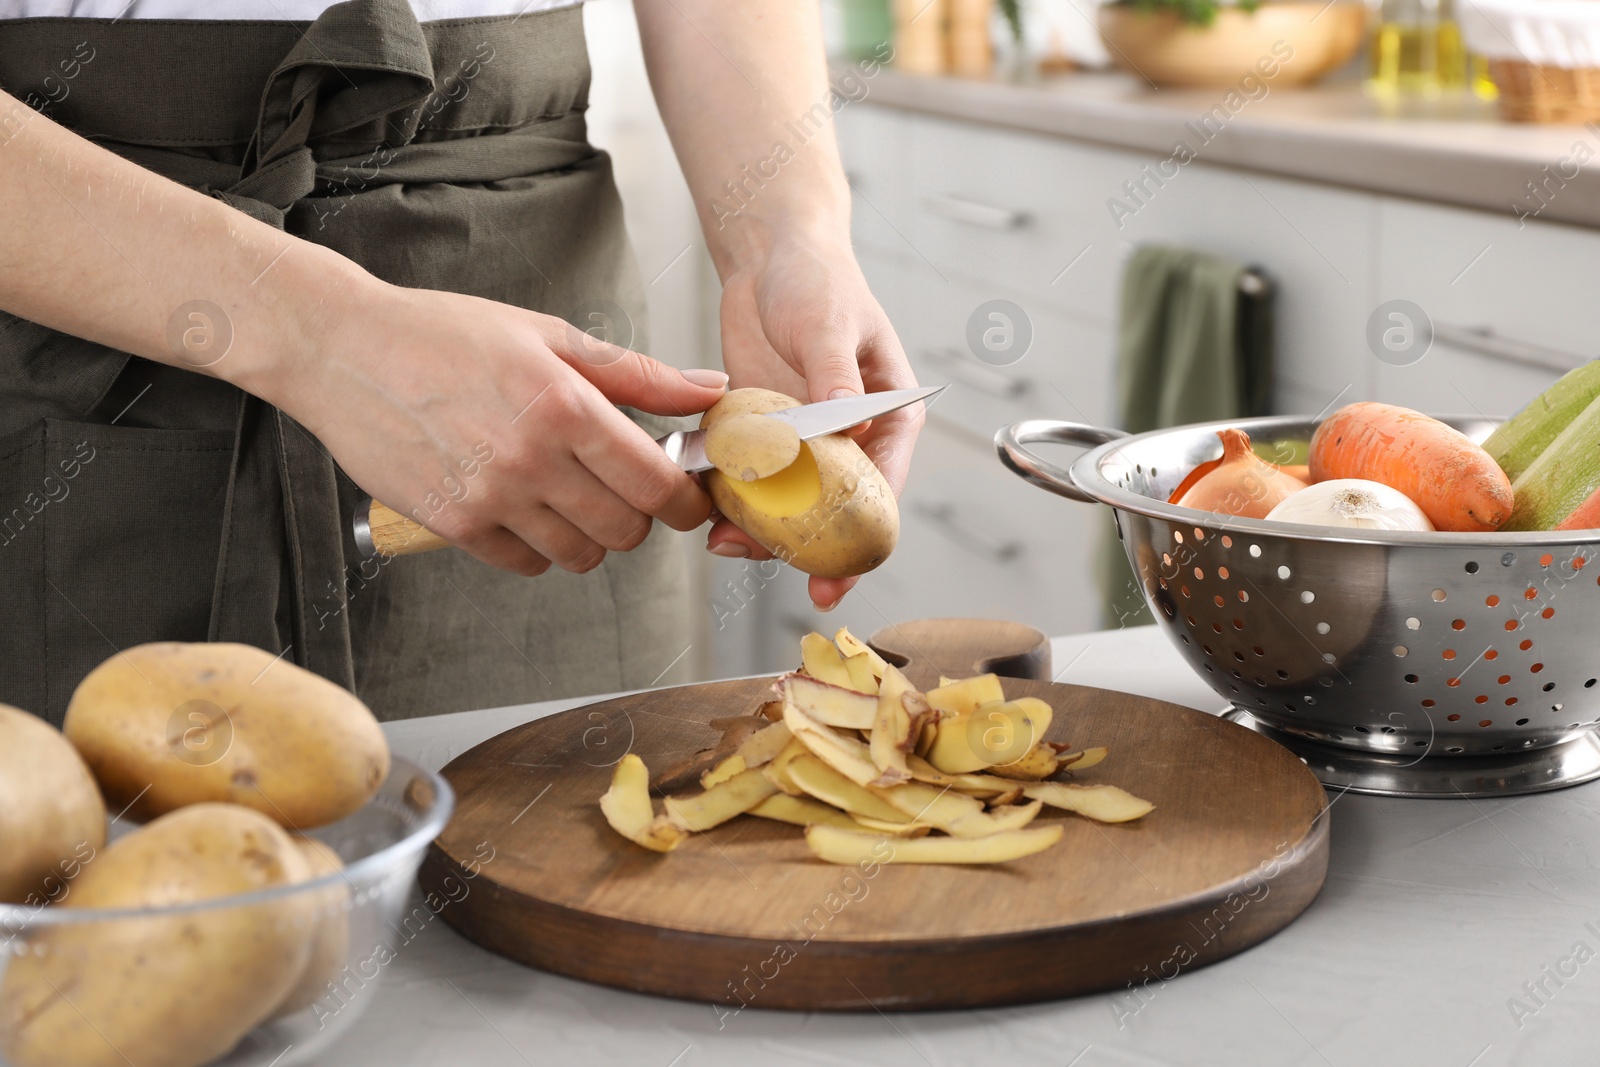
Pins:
<point x="1163" y="48"/>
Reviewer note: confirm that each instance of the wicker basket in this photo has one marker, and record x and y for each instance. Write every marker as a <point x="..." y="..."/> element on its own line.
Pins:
<point x="1533" y="93"/>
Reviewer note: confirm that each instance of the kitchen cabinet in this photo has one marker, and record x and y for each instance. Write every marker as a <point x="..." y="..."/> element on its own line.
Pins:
<point x="950" y="213"/>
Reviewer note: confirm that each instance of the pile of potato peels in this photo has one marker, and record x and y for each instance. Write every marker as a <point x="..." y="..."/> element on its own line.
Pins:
<point x="852" y="752"/>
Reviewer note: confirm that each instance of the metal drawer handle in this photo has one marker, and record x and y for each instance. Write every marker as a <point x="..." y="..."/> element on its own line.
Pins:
<point x="971" y="212"/>
<point x="1012" y="441"/>
<point x="1484" y="341"/>
<point x="943" y="517"/>
<point x="954" y="365"/>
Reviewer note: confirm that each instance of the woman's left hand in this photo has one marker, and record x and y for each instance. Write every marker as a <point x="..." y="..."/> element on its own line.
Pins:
<point x="800" y="320"/>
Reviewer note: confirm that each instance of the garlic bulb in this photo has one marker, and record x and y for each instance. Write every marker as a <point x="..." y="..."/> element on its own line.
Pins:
<point x="1354" y="503"/>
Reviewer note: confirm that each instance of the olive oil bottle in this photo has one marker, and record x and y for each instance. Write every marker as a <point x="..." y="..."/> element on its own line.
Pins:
<point x="1417" y="50"/>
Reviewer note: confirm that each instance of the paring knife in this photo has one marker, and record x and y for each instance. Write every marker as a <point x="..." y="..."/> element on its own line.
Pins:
<point x="380" y="530"/>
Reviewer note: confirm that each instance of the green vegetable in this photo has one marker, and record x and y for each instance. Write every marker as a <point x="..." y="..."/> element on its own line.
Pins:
<point x="1012" y="10"/>
<point x="1562" y="478"/>
<point x="1198" y="12"/>
<point x="1522" y="439"/>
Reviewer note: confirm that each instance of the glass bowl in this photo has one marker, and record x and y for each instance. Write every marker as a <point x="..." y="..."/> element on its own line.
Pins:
<point x="200" y="967"/>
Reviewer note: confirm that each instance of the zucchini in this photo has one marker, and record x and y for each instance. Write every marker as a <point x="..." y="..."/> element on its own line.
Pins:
<point x="1563" y="476"/>
<point x="1530" y="432"/>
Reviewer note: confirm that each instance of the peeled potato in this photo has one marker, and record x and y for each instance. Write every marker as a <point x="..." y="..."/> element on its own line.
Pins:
<point x="829" y="513"/>
<point x="751" y="446"/>
<point x="170" y="990"/>
<point x="169" y="724"/>
<point x="51" y="816"/>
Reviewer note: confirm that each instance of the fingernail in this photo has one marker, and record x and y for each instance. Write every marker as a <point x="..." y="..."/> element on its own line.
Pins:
<point x="840" y="394"/>
<point x="730" y="550"/>
<point x="710" y="379"/>
<point x="829" y="607"/>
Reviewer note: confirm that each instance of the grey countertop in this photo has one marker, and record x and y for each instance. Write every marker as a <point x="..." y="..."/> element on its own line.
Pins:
<point x="1453" y="151"/>
<point x="1434" y="915"/>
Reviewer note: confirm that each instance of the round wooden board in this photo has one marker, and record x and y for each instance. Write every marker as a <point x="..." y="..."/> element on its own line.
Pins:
<point x="743" y="915"/>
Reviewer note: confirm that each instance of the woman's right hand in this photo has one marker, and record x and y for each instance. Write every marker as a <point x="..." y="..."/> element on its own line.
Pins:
<point x="493" y="426"/>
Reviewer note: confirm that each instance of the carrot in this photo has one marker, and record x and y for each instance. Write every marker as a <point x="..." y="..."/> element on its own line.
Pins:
<point x="1455" y="483"/>
<point x="1586" y="516"/>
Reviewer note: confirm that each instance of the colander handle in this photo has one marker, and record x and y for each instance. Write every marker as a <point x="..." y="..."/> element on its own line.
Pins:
<point x="1010" y="442"/>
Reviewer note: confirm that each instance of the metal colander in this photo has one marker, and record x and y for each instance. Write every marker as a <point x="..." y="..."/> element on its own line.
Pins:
<point x="1409" y="664"/>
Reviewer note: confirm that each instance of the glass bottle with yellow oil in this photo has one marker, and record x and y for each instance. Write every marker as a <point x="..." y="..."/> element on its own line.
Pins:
<point x="1417" y="51"/>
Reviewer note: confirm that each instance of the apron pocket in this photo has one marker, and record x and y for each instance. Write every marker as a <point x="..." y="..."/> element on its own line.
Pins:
<point x="113" y="539"/>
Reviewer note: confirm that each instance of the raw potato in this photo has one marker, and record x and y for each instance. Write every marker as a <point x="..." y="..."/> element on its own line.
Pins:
<point x="169" y="724"/>
<point x="164" y="991"/>
<point x="751" y="446"/>
<point x="51" y="816"/>
<point x="330" y="943"/>
<point x="829" y="513"/>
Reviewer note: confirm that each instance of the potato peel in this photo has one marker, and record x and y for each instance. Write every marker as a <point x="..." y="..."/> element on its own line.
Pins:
<point x="854" y="847"/>
<point x="819" y="780"/>
<point x="626" y="806"/>
<point x="720" y="803"/>
<point x="871" y="767"/>
<point x="851" y="645"/>
<point x="801" y="811"/>
<point x="847" y="755"/>
<point x="1102" y="803"/>
<point x="751" y="446"/>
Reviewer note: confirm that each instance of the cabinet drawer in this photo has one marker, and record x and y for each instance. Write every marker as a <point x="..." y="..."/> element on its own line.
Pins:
<point x="1021" y="211"/>
<point x="1034" y="215"/>
<point x="1472" y="271"/>
<point x="1066" y="373"/>
<point x="871" y="144"/>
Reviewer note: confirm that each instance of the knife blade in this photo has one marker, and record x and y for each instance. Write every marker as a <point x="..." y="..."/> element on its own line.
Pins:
<point x="379" y="529"/>
<point x="687" y="448"/>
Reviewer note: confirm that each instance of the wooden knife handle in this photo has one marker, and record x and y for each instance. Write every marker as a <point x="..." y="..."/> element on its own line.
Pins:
<point x="381" y="530"/>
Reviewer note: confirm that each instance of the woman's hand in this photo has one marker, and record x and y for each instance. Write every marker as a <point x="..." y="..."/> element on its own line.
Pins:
<point x="495" y="427"/>
<point x="802" y="321"/>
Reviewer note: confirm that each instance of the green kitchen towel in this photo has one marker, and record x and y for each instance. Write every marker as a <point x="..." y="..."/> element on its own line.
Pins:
<point x="1194" y="344"/>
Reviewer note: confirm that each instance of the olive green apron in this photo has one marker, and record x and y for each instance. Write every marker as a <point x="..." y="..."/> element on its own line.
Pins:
<point x="140" y="502"/>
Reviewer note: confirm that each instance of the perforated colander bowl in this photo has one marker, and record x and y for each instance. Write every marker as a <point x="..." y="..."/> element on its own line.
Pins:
<point x="1411" y="664"/>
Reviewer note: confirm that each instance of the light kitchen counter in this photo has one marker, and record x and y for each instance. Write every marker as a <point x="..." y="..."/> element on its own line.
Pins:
<point x="1446" y="151"/>
<point x="1434" y="915"/>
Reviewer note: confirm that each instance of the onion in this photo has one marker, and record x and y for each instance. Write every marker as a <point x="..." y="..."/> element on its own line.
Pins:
<point x="1242" y="484"/>
<point x="1354" y="503"/>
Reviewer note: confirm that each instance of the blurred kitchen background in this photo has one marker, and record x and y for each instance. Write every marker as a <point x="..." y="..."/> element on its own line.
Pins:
<point x="1081" y="211"/>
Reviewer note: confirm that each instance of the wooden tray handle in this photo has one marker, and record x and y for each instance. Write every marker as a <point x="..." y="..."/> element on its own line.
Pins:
<point x="960" y="648"/>
<point x="382" y="531"/>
